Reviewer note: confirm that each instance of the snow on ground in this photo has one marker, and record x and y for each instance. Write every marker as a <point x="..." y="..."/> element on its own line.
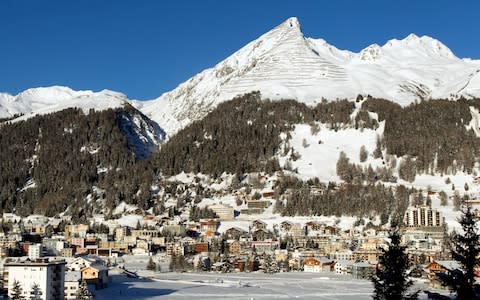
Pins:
<point x="130" y="220"/>
<point x="247" y="286"/>
<point x="320" y="153"/>
<point x="40" y="101"/>
<point x="123" y="208"/>
<point x="238" y="286"/>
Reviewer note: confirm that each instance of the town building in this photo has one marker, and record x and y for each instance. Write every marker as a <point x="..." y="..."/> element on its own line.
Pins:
<point x="423" y="216"/>
<point x="48" y="275"/>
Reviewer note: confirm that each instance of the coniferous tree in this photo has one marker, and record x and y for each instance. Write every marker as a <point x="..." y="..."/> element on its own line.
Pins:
<point x="83" y="293"/>
<point x="35" y="293"/>
<point x="465" y="249"/>
<point x="390" y="280"/>
<point x="16" y="291"/>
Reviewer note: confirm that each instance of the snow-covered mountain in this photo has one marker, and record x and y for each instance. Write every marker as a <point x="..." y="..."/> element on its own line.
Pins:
<point x="283" y="63"/>
<point x="144" y="135"/>
<point x="45" y="100"/>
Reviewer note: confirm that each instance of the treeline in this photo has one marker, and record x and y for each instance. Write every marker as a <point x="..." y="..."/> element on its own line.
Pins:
<point x="243" y="135"/>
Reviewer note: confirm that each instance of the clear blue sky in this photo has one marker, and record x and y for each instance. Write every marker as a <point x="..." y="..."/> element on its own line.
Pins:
<point x="144" y="48"/>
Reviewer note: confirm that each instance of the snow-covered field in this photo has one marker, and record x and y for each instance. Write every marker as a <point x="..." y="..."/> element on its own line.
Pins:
<point x="239" y="286"/>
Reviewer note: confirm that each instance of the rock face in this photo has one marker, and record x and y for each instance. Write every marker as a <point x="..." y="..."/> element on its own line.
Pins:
<point x="283" y="63"/>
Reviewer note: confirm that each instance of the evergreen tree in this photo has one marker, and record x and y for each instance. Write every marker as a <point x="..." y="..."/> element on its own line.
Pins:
<point x="83" y="293"/>
<point x="390" y="280"/>
<point x="16" y="291"/>
<point x="269" y="265"/>
<point x="35" y="293"/>
<point x="465" y="249"/>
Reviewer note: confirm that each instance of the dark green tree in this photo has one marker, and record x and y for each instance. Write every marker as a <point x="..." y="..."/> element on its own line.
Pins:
<point x="390" y="280"/>
<point x="83" y="293"/>
<point x="17" y="291"/>
<point x="36" y="292"/>
<point x="465" y="249"/>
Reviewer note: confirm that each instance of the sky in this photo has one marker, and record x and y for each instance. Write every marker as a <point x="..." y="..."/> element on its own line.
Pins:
<point x="145" y="48"/>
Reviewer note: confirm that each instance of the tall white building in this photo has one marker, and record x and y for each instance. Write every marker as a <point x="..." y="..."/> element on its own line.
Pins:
<point x="35" y="251"/>
<point x="423" y="216"/>
<point x="48" y="275"/>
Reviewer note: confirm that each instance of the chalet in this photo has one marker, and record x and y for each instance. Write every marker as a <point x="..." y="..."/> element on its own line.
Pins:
<point x="290" y="228"/>
<point x="261" y="234"/>
<point x="96" y="274"/>
<point x="312" y="264"/>
<point x="259" y="224"/>
<point x="286" y="226"/>
<point x="235" y="233"/>
<point x="437" y="267"/>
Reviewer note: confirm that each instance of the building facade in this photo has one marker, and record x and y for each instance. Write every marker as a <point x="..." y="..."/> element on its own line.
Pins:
<point x="48" y="275"/>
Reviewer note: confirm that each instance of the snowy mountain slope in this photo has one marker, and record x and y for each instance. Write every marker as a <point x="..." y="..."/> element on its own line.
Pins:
<point x="45" y="100"/>
<point x="144" y="135"/>
<point x="284" y="64"/>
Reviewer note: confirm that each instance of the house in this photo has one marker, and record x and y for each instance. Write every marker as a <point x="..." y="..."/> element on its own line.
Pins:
<point x="49" y="276"/>
<point x="440" y="266"/>
<point x="293" y="229"/>
<point x="261" y="234"/>
<point x="259" y="224"/>
<point x="96" y="274"/>
<point x="312" y="264"/>
<point x="343" y="267"/>
<point x="235" y="233"/>
<point x="72" y="284"/>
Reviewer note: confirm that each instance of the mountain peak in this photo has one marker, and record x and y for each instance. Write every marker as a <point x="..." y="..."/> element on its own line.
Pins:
<point x="425" y="46"/>
<point x="291" y="22"/>
<point x="411" y="37"/>
<point x="371" y="53"/>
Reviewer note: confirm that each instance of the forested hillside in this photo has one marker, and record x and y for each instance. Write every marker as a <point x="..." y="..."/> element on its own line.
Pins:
<point x="86" y="163"/>
<point x="54" y="161"/>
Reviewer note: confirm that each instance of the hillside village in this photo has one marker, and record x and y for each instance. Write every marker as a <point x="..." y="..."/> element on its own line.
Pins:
<point x="233" y="230"/>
